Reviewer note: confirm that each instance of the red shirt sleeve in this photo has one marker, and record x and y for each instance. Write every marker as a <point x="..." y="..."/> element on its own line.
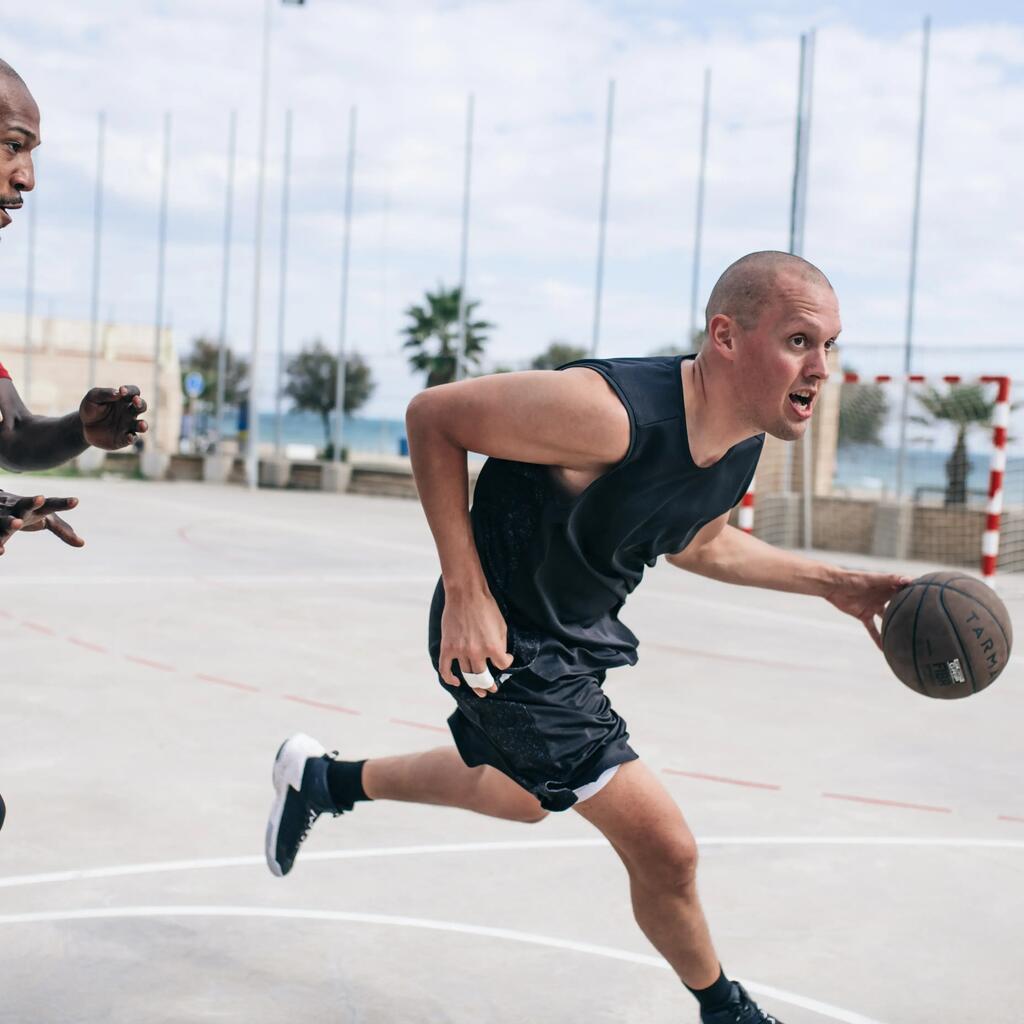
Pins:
<point x="4" y="375"/>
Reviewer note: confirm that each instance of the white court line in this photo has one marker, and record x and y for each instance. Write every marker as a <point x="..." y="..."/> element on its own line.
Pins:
<point x="281" y="913"/>
<point x="280" y="579"/>
<point x="159" y="867"/>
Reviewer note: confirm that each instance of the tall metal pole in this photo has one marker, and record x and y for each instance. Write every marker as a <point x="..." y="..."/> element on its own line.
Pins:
<point x="252" y="450"/>
<point x="155" y="401"/>
<point x="693" y="327"/>
<point x="30" y="298"/>
<point x="339" y="392"/>
<point x="460" y="353"/>
<point x="805" y="142"/>
<point x="807" y="443"/>
<point x="603" y="218"/>
<point x="222" y="334"/>
<point x="799" y="150"/>
<point x="912" y="284"/>
<point x="282" y="299"/>
<point x="97" y="238"/>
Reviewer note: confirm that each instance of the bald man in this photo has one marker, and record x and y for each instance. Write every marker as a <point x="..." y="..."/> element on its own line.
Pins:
<point x="594" y="471"/>
<point x="106" y="417"/>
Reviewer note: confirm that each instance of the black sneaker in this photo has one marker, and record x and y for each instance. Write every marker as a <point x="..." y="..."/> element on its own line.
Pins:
<point x="741" y="1010"/>
<point x="301" y="796"/>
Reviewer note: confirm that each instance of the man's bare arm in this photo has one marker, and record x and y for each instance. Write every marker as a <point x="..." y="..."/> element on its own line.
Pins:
<point x="568" y="418"/>
<point x="721" y="552"/>
<point x="35" y="442"/>
<point x="107" y="418"/>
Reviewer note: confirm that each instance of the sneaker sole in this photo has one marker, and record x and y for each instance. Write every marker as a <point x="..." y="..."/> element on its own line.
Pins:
<point x="289" y="765"/>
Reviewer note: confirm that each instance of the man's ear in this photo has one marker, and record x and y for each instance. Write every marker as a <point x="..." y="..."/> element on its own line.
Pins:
<point x="722" y="336"/>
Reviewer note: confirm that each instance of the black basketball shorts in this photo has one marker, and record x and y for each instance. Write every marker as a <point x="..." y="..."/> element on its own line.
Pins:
<point x="551" y="736"/>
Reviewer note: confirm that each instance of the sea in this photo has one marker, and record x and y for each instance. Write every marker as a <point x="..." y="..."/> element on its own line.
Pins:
<point x="860" y="469"/>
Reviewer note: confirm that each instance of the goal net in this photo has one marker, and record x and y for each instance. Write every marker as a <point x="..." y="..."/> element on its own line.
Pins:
<point x="912" y="468"/>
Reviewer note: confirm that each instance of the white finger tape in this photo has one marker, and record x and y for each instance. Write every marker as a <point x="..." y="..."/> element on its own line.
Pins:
<point x="479" y="680"/>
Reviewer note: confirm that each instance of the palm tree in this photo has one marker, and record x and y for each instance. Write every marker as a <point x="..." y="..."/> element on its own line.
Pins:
<point x="963" y="406"/>
<point x="438" y="321"/>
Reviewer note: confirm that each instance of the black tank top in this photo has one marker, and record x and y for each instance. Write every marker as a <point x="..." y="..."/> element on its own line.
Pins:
<point x="561" y="567"/>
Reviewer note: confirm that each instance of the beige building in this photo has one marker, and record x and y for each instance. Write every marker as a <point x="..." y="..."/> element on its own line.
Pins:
<point x="55" y="374"/>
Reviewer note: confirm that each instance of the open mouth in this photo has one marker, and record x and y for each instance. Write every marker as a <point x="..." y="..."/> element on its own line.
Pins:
<point x="802" y="402"/>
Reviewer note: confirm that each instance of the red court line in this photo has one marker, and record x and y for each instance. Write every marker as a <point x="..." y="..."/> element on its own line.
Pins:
<point x="39" y="629"/>
<point x="418" y="725"/>
<point x="1009" y="817"/>
<point x="227" y="682"/>
<point x="720" y="778"/>
<point x="88" y="646"/>
<point x="320" y="704"/>
<point x="150" y="664"/>
<point x="887" y="803"/>
<point x="5" y="615"/>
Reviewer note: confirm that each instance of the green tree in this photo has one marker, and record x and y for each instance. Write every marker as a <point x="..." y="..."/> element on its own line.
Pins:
<point x="862" y="412"/>
<point x="963" y="406"/>
<point x="203" y="360"/>
<point x="558" y="353"/>
<point x="433" y="336"/>
<point x="312" y="381"/>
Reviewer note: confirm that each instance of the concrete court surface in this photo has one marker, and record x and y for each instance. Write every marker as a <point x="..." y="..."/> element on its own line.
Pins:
<point x="862" y="847"/>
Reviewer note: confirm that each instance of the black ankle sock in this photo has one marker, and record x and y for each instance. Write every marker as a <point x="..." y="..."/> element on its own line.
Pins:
<point x="345" y="783"/>
<point x="716" y="996"/>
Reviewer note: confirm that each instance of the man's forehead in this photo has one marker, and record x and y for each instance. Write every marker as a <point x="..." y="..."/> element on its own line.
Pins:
<point x="18" y="109"/>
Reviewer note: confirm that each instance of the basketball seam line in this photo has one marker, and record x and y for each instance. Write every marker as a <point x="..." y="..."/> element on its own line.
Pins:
<point x="903" y="601"/>
<point x="992" y="615"/>
<point x="913" y="642"/>
<point x="956" y="633"/>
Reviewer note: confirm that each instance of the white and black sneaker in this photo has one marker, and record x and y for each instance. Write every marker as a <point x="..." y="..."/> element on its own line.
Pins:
<point x="741" y="1010"/>
<point x="301" y="795"/>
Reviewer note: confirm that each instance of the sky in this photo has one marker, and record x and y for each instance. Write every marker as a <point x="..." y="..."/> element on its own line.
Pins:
<point x="539" y="73"/>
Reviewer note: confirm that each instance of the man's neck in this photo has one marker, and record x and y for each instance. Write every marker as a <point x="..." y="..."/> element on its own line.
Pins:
<point x="712" y="423"/>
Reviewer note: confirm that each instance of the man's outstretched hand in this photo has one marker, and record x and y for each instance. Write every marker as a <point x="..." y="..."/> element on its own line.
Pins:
<point x="18" y="514"/>
<point x="110" y="416"/>
<point x="864" y="595"/>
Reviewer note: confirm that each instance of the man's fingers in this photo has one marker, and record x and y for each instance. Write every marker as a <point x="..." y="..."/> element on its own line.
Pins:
<point x="24" y="506"/>
<point x="52" y="505"/>
<point x="8" y="524"/>
<point x="869" y="625"/>
<point x="502" y="661"/>
<point x="446" y="668"/>
<point x="139" y="404"/>
<point x="64" y="531"/>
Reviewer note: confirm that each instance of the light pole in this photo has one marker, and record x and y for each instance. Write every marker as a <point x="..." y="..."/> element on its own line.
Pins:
<point x="252" y="459"/>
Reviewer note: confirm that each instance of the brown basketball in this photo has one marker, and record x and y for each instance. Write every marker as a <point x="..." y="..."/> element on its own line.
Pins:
<point x="947" y="635"/>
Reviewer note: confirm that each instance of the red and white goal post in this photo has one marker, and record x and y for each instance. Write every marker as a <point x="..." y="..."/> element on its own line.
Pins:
<point x="997" y="464"/>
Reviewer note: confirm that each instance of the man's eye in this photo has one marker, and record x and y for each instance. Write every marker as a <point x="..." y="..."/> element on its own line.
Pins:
<point x="798" y="339"/>
<point x="831" y="344"/>
<point x="14" y="147"/>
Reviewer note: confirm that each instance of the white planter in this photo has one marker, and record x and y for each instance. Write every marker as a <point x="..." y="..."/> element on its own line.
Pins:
<point x="335" y="477"/>
<point x="91" y="460"/>
<point x="153" y="463"/>
<point x="217" y="468"/>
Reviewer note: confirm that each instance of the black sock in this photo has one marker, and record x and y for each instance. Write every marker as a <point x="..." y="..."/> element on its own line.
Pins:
<point x="345" y="783"/>
<point x="716" y="996"/>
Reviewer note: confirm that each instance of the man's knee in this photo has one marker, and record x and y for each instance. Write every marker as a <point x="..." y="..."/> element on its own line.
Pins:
<point x="667" y="862"/>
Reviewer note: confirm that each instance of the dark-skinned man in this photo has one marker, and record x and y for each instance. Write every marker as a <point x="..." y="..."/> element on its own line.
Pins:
<point x="107" y="417"/>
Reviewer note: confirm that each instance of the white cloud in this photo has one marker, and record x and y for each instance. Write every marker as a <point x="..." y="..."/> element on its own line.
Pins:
<point x="539" y="72"/>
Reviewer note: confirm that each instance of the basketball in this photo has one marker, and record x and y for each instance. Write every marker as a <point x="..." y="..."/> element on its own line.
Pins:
<point x="947" y="635"/>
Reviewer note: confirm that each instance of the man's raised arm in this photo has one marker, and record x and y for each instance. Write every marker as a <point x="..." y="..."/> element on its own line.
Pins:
<point x="568" y="418"/>
<point x="106" y="418"/>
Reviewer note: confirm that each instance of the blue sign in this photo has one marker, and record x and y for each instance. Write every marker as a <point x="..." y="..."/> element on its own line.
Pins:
<point x="193" y="384"/>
